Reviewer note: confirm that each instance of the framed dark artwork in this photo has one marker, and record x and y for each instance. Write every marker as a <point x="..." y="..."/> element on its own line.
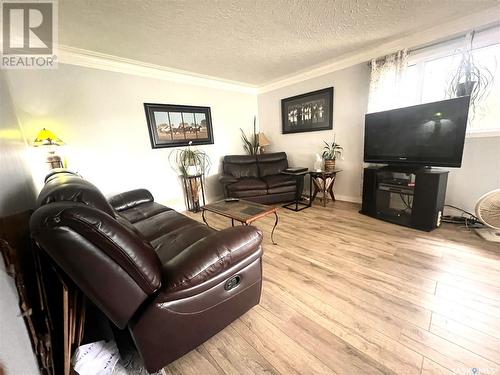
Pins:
<point x="177" y="125"/>
<point x="308" y="112"/>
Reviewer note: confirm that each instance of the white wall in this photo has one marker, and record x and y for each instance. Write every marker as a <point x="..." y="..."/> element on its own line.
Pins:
<point x="349" y="107"/>
<point x="100" y="116"/>
<point x="16" y="195"/>
<point x="16" y="187"/>
<point x="480" y="171"/>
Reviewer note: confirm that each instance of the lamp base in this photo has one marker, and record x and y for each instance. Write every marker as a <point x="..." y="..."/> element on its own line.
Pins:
<point x="54" y="161"/>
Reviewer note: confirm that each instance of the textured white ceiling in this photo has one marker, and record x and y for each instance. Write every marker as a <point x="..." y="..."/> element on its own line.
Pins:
<point x="247" y="41"/>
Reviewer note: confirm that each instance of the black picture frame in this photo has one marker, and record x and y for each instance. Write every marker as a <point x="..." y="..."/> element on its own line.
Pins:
<point x="172" y="125"/>
<point x="308" y="112"/>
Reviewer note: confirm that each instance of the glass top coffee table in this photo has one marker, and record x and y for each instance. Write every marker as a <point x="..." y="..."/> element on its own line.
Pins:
<point x="243" y="211"/>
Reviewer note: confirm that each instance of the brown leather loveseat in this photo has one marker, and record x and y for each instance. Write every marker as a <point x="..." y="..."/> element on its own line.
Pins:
<point x="258" y="178"/>
<point x="170" y="280"/>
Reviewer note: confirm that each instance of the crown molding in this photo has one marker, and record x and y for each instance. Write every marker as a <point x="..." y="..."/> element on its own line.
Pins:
<point x="482" y="19"/>
<point x="90" y="59"/>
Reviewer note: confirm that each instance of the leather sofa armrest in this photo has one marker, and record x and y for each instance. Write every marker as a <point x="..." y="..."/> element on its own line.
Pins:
<point x="227" y="179"/>
<point x="129" y="199"/>
<point x="114" y="267"/>
<point x="210" y="256"/>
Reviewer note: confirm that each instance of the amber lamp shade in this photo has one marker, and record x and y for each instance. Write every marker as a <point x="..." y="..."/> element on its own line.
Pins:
<point x="46" y="137"/>
<point x="263" y="142"/>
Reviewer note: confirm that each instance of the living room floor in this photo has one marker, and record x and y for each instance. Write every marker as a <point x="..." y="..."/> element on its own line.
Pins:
<point x="344" y="293"/>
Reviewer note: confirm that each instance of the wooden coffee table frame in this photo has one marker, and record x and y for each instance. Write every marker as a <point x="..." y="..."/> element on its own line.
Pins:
<point x="247" y="221"/>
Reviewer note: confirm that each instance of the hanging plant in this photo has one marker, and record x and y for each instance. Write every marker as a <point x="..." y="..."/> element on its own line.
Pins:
<point x="470" y="78"/>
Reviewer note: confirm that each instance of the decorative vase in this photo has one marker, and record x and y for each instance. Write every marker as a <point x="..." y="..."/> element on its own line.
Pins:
<point x="329" y="165"/>
<point x="318" y="163"/>
<point x="191" y="170"/>
<point x="195" y="195"/>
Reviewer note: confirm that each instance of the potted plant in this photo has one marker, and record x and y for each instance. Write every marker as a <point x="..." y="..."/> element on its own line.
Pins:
<point x="330" y="153"/>
<point x="190" y="162"/>
<point x="251" y="145"/>
<point x="470" y="78"/>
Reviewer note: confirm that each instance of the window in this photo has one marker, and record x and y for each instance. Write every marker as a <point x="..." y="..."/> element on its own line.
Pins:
<point x="427" y="77"/>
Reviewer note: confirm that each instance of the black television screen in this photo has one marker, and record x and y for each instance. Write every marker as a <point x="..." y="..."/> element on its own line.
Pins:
<point x="430" y="134"/>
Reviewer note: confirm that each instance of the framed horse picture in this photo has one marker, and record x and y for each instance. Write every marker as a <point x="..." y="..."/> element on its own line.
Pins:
<point x="308" y="112"/>
<point x="177" y="125"/>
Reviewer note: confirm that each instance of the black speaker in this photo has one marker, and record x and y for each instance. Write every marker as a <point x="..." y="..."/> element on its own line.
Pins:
<point x="428" y="201"/>
<point x="369" y="204"/>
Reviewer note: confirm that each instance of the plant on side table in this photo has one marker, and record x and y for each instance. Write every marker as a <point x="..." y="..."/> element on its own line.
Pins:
<point x="330" y="153"/>
<point x="192" y="165"/>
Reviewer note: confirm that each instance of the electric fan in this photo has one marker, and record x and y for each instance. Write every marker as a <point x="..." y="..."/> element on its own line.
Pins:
<point x="488" y="211"/>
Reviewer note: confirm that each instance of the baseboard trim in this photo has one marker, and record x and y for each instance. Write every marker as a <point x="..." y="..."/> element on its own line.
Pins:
<point x="347" y="198"/>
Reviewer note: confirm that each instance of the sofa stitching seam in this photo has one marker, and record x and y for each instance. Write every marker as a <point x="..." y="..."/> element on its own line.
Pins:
<point x="122" y="254"/>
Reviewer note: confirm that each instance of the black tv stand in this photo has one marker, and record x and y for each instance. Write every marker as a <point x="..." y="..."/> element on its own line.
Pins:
<point x="412" y="196"/>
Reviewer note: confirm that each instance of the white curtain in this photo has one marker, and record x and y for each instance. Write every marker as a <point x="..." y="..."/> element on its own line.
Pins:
<point x="386" y="81"/>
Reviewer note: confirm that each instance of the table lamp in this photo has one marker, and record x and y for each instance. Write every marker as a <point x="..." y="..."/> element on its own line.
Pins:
<point x="263" y="142"/>
<point x="47" y="138"/>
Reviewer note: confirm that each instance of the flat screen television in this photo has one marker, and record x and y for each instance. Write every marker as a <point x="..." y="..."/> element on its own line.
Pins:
<point x="430" y="134"/>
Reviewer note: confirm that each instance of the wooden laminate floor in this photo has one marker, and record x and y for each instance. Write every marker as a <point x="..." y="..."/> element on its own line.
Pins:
<point x="348" y="294"/>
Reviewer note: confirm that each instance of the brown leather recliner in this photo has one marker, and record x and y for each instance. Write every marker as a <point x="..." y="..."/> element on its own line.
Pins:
<point x="258" y="178"/>
<point x="172" y="281"/>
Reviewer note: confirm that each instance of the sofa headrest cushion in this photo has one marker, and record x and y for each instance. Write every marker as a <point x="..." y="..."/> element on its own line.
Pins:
<point x="58" y="171"/>
<point x="240" y="159"/>
<point x="275" y="156"/>
<point x="71" y="187"/>
<point x="240" y="166"/>
<point x="126" y="247"/>
<point x="129" y="199"/>
<point x="272" y="164"/>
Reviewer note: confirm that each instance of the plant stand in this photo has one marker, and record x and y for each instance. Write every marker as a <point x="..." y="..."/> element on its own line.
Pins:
<point x="323" y="182"/>
<point x="193" y="188"/>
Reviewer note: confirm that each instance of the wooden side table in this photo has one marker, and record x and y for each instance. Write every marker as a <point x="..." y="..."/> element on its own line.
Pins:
<point x="323" y="182"/>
